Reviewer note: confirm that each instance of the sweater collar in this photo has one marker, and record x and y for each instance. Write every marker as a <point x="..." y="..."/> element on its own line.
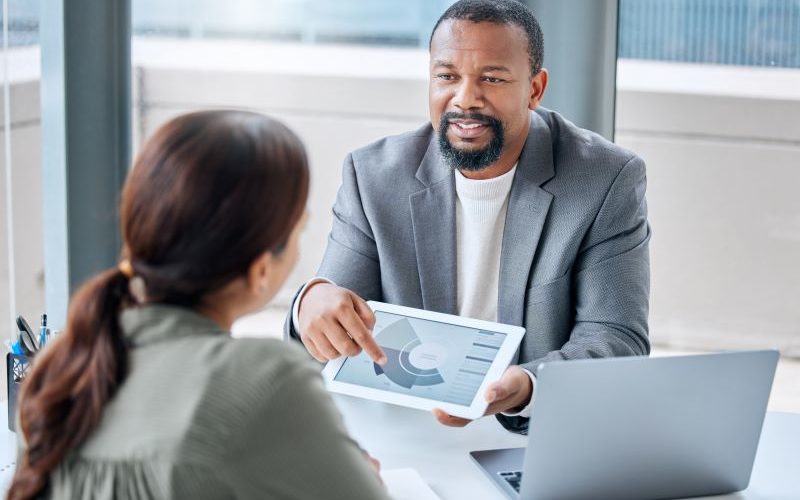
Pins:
<point x="152" y="323"/>
<point x="494" y="189"/>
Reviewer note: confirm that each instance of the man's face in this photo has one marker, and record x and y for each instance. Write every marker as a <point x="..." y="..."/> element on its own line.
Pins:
<point x="480" y="91"/>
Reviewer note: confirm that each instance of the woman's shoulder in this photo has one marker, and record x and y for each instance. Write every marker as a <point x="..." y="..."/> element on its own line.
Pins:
<point x="247" y="381"/>
<point x="256" y="358"/>
<point x="251" y="372"/>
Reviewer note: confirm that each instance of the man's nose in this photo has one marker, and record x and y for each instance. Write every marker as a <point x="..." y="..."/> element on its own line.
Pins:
<point x="468" y="96"/>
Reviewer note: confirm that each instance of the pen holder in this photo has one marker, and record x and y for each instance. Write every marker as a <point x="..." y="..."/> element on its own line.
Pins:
<point x="16" y="368"/>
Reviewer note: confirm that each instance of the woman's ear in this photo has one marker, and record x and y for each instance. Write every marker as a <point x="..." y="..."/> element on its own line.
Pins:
<point x="259" y="273"/>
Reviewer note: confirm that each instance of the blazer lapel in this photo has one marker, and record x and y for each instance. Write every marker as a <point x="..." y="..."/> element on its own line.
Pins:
<point x="528" y="205"/>
<point x="433" y="215"/>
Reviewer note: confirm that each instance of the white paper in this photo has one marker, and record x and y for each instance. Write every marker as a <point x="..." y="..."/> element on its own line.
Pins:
<point x="407" y="484"/>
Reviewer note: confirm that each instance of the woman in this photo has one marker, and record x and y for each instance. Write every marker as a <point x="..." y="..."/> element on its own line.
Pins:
<point x="145" y="395"/>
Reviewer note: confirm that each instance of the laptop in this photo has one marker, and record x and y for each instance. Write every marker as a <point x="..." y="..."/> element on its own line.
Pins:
<point x="639" y="428"/>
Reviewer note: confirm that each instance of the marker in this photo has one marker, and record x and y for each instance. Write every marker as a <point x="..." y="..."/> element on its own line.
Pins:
<point x="43" y="331"/>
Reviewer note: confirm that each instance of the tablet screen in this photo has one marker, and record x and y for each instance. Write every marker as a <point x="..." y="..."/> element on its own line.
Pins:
<point x="427" y="359"/>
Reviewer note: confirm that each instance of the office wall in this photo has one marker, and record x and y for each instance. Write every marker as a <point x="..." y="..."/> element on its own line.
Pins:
<point x="722" y="146"/>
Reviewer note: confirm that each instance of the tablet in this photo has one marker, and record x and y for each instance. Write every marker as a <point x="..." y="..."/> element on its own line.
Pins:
<point x="434" y="361"/>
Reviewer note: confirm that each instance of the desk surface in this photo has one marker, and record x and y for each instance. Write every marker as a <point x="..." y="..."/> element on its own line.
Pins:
<point x="402" y="437"/>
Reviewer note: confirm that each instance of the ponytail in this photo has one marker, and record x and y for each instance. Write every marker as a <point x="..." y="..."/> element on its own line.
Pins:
<point x="63" y="396"/>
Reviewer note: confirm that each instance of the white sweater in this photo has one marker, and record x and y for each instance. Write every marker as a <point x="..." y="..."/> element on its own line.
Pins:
<point x="481" y="207"/>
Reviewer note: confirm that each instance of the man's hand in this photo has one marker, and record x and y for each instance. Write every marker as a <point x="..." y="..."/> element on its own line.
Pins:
<point x="336" y="322"/>
<point x="513" y="390"/>
<point x="375" y="464"/>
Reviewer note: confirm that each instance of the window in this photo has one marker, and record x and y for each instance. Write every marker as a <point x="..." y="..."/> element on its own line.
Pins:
<point x="373" y="22"/>
<point x="740" y="32"/>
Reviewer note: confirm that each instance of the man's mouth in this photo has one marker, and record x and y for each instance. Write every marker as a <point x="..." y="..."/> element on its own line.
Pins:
<point x="470" y="141"/>
<point x="468" y="129"/>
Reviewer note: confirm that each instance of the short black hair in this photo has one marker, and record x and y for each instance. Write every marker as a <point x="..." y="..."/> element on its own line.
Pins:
<point x="500" y="12"/>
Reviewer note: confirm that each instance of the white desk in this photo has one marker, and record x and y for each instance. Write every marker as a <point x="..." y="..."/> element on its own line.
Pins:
<point x="401" y="437"/>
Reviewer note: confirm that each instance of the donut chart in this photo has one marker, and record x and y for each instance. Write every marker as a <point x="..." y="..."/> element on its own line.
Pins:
<point x="410" y="362"/>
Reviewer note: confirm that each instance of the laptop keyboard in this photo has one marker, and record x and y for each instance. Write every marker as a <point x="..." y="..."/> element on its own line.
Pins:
<point x="514" y="478"/>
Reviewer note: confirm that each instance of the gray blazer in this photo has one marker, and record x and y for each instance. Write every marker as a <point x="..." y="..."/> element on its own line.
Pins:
<point x="574" y="267"/>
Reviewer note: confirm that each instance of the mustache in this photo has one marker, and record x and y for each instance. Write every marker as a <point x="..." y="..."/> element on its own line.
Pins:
<point x="485" y="119"/>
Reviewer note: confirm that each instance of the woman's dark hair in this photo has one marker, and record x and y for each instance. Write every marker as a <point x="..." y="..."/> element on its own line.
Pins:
<point x="208" y="194"/>
<point x="511" y="12"/>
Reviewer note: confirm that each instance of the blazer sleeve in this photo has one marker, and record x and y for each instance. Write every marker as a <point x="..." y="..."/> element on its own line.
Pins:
<point x="611" y="281"/>
<point x="293" y="443"/>
<point x="351" y="256"/>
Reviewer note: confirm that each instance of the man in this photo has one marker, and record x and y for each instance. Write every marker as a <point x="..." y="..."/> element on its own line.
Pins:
<point x="498" y="209"/>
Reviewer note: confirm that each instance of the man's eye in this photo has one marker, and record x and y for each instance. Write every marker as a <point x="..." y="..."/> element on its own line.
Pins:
<point x="445" y="76"/>
<point x="492" y="79"/>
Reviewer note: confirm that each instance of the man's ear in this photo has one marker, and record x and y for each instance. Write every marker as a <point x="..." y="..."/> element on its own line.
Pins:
<point x="259" y="272"/>
<point x="538" y="86"/>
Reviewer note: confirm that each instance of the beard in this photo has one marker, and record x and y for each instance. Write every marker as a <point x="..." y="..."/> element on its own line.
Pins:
<point x="473" y="160"/>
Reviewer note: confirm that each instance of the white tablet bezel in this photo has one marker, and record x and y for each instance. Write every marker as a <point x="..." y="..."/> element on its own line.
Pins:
<point x="513" y="337"/>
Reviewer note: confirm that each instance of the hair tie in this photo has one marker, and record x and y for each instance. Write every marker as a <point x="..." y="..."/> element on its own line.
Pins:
<point x="126" y="268"/>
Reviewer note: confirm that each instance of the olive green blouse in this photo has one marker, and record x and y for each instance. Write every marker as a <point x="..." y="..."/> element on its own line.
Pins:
<point x="205" y="416"/>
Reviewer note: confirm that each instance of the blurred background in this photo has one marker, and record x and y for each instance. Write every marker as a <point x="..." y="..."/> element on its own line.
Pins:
<point x="706" y="91"/>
